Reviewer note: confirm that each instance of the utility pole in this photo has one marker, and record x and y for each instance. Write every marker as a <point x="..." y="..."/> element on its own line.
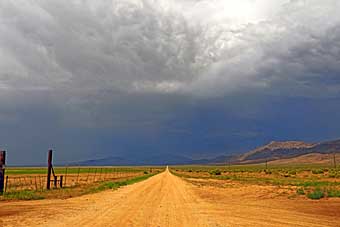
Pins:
<point x="266" y="163"/>
<point x="334" y="160"/>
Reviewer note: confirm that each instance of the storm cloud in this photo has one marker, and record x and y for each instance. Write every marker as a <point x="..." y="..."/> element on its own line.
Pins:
<point x="115" y="71"/>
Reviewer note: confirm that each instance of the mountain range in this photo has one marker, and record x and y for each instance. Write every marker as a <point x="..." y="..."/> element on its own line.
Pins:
<point x="275" y="151"/>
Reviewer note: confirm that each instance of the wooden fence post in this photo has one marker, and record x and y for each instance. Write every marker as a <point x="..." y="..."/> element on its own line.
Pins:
<point x="6" y="184"/>
<point x="88" y="175"/>
<point x="35" y="182"/>
<point x="55" y="181"/>
<point x="49" y="169"/>
<point x="78" y="174"/>
<point x="61" y="182"/>
<point x="65" y="175"/>
<point x="100" y="175"/>
<point x="95" y="173"/>
<point x="2" y="170"/>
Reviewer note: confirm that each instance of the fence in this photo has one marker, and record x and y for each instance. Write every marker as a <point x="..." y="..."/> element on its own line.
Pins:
<point x="37" y="180"/>
<point x="70" y="177"/>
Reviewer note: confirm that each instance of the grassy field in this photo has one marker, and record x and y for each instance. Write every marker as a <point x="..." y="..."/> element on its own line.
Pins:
<point x="312" y="181"/>
<point x="30" y="182"/>
<point x="69" y="192"/>
<point x="73" y="169"/>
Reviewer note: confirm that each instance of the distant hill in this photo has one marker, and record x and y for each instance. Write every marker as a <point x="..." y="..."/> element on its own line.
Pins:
<point x="287" y="149"/>
<point x="315" y="158"/>
<point x="275" y="152"/>
<point x="108" y="161"/>
<point x="164" y="159"/>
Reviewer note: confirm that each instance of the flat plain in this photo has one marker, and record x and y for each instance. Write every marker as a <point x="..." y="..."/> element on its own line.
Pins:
<point x="190" y="196"/>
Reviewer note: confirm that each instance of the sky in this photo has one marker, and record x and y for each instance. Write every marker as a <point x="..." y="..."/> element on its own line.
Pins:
<point x="134" y="78"/>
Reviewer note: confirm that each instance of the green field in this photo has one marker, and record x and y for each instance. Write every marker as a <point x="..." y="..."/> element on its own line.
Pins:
<point x="30" y="182"/>
<point x="76" y="169"/>
<point x="314" y="181"/>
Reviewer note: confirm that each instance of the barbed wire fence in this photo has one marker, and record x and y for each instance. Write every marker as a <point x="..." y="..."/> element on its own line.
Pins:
<point x="65" y="176"/>
<point x="78" y="176"/>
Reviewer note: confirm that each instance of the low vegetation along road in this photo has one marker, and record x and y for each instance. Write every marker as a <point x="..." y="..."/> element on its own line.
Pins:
<point x="167" y="200"/>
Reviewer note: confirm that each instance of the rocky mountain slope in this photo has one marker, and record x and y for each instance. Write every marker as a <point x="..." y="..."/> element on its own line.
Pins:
<point x="287" y="149"/>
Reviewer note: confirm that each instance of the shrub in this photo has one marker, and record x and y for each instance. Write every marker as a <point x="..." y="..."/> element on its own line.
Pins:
<point x="332" y="175"/>
<point x="333" y="193"/>
<point x="215" y="172"/>
<point x="317" y="171"/>
<point x="292" y="172"/>
<point x="300" y="191"/>
<point x="268" y="171"/>
<point x="145" y="172"/>
<point x="23" y="195"/>
<point x="316" y="194"/>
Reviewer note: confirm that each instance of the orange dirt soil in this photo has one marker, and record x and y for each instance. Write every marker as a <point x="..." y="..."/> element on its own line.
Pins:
<point x="167" y="200"/>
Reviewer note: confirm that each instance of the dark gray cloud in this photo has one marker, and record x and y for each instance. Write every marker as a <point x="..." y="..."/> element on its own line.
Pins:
<point x="82" y="47"/>
<point x="145" y="68"/>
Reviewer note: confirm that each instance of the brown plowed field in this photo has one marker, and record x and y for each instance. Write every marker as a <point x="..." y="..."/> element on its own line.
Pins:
<point x="167" y="200"/>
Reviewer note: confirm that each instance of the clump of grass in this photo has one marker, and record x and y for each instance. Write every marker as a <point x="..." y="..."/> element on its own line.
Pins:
<point x="317" y="171"/>
<point x="267" y="171"/>
<point x="23" y="195"/>
<point x="215" y="172"/>
<point x="292" y="172"/>
<point x="316" y="194"/>
<point x="333" y="193"/>
<point x="300" y="191"/>
<point x="115" y="185"/>
<point x="332" y="175"/>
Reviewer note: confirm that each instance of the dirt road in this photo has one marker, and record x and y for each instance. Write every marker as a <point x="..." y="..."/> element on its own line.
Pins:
<point x="166" y="200"/>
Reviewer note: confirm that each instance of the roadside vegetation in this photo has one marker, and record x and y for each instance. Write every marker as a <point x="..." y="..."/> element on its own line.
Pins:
<point x="118" y="184"/>
<point x="80" y="189"/>
<point x="310" y="181"/>
<point x="70" y="169"/>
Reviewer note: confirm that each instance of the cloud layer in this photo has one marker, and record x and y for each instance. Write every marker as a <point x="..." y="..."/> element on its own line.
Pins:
<point x="126" y="64"/>
<point x="168" y="46"/>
